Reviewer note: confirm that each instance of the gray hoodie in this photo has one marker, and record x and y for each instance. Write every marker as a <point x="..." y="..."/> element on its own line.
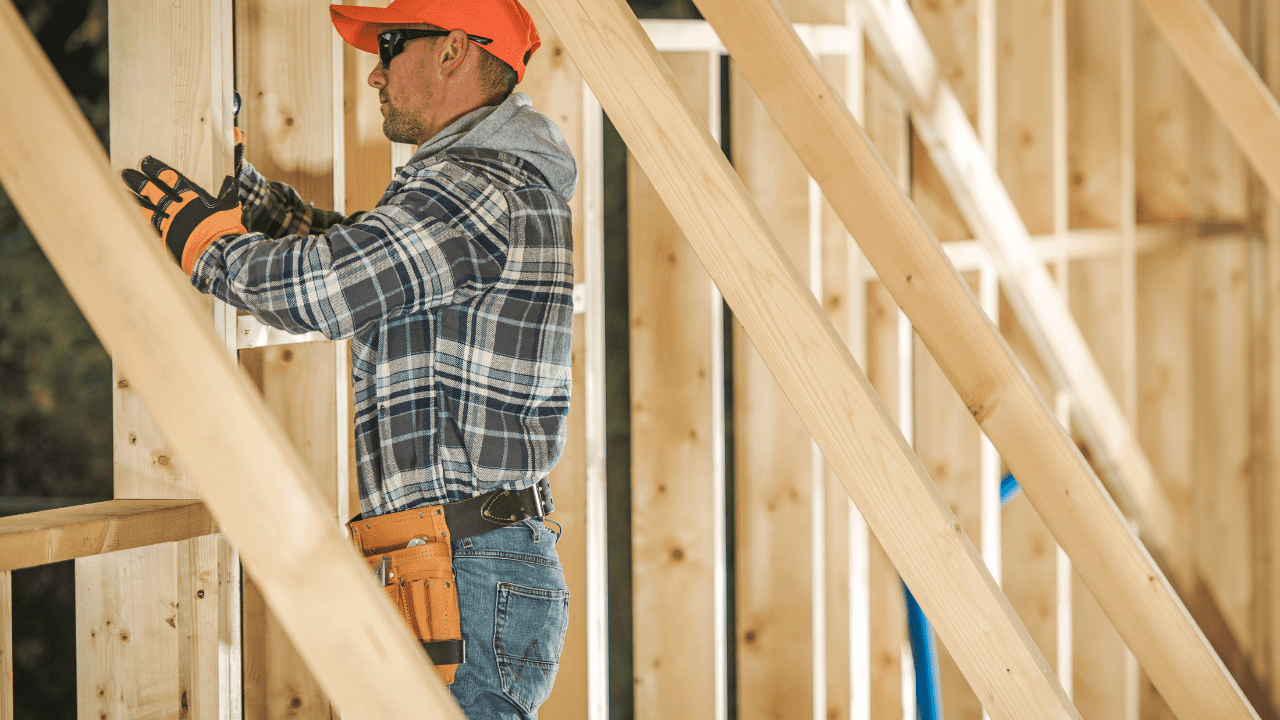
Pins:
<point x="512" y="127"/>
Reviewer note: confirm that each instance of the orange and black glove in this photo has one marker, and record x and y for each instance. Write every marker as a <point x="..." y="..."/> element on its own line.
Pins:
<point x="186" y="216"/>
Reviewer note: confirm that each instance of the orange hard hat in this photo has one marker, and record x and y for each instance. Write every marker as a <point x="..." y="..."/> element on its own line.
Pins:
<point x="505" y="22"/>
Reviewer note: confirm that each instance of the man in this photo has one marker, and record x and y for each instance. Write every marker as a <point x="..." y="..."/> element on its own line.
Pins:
<point x="456" y="294"/>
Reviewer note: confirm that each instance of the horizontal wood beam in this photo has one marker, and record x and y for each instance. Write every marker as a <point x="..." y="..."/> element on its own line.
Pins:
<point x="51" y="536"/>
<point x="808" y="358"/>
<point x="239" y="459"/>
<point x="1228" y="81"/>
<point x="1058" y="480"/>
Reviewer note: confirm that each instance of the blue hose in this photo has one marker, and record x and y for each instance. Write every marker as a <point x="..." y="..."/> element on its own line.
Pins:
<point x="924" y="646"/>
<point x="924" y="652"/>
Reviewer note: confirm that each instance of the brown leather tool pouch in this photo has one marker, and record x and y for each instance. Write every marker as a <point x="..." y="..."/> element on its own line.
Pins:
<point x="418" y="579"/>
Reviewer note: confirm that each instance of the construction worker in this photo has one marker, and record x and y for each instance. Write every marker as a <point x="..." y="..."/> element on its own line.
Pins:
<point x="456" y="293"/>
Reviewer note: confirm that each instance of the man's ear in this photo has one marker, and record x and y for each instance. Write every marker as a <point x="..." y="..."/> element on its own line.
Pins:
<point x="453" y="51"/>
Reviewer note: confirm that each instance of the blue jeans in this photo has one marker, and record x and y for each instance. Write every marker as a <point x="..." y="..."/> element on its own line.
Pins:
<point x="514" y="609"/>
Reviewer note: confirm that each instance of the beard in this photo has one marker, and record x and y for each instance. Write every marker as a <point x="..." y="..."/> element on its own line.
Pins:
<point x="401" y="127"/>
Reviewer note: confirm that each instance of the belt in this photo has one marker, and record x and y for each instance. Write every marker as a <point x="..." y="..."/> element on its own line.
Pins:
<point x="465" y="518"/>
<point x="497" y="509"/>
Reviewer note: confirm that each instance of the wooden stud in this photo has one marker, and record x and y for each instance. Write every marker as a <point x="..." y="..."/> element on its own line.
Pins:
<point x="675" y="362"/>
<point x="176" y="107"/>
<point x="239" y="460"/>
<point x="1032" y="162"/>
<point x="959" y="157"/>
<point x="765" y="291"/>
<point x="773" y="467"/>
<point x="1213" y="59"/>
<point x="51" y="536"/>
<point x="6" y="645"/>
<point x="555" y="86"/>
<point x="288" y="73"/>
<point x="1157" y="625"/>
<point x="886" y="123"/>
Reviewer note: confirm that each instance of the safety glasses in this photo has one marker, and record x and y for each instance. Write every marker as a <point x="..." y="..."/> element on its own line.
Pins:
<point x="391" y="42"/>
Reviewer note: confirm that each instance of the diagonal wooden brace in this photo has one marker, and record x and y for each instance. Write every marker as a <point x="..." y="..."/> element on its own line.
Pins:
<point x="240" y="460"/>
<point x="1068" y="496"/>
<point x="809" y="360"/>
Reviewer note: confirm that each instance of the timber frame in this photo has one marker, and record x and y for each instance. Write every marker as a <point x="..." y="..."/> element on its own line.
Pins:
<point x="264" y="472"/>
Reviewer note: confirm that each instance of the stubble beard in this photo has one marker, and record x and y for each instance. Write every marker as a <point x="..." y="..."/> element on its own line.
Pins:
<point x="401" y="127"/>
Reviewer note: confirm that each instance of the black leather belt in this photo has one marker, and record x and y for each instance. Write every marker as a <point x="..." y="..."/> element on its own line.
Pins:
<point x="497" y="509"/>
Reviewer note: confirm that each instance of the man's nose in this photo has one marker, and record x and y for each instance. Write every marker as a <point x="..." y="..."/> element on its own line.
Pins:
<point x="377" y="77"/>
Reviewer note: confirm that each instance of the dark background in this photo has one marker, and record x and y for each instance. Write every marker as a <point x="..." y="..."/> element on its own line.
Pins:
<point x="55" y="387"/>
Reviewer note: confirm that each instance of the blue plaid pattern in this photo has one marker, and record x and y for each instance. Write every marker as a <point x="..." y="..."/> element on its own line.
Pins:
<point x="457" y="294"/>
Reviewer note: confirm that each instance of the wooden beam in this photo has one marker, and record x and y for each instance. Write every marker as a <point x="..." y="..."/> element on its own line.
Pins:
<point x="987" y="209"/>
<point x="886" y="122"/>
<point x="677" y="467"/>
<point x="239" y="459"/>
<point x="1132" y="589"/>
<point x="1228" y="81"/>
<point x="6" y="645"/>
<point x="807" y="357"/>
<point x="51" y="536"/>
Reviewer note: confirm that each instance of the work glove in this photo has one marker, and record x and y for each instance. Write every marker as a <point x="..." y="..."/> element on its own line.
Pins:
<point x="187" y="218"/>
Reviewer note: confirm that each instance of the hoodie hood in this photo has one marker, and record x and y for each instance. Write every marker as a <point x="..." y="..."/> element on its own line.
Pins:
<point x="512" y="127"/>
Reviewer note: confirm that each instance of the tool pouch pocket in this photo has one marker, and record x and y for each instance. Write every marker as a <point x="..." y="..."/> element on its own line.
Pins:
<point x="421" y="582"/>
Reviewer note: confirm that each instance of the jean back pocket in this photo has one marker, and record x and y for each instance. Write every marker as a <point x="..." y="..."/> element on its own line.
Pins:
<point x="528" y="637"/>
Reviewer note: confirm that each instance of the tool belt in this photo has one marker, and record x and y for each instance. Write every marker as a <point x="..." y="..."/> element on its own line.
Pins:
<point x="411" y="557"/>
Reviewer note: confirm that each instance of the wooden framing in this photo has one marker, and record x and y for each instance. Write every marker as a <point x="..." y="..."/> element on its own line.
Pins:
<point x="51" y="536"/>
<point x="847" y="658"/>
<point x="340" y="623"/>
<point x="1006" y="406"/>
<point x="677" y="458"/>
<point x="604" y="39"/>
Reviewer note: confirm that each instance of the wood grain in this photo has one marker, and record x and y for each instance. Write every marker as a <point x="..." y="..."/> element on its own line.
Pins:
<point x="238" y="458"/>
<point x="52" y="536"/>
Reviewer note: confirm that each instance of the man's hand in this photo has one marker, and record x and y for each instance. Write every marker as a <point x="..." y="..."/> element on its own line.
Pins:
<point x="187" y="218"/>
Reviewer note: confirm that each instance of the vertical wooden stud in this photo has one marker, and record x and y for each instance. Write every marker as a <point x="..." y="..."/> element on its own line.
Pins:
<point x="773" y="463"/>
<point x="1032" y="163"/>
<point x="6" y="645"/>
<point x="886" y="126"/>
<point x="556" y="88"/>
<point x="675" y="368"/>
<point x="289" y="71"/>
<point x="143" y="645"/>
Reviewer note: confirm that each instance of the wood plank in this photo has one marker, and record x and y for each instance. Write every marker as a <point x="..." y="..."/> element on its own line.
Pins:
<point x="1029" y="168"/>
<point x="676" y="359"/>
<point x="945" y="435"/>
<point x="772" y="468"/>
<point x="850" y="425"/>
<point x="367" y="151"/>
<point x="1157" y="625"/>
<point x="297" y="386"/>
<point x="6" y="645"/>
<point x="239" y="460"/>
<point x="556" y="88"/>
<point x="1213" y="59"/>
<point x="51" y="536"/>
<point x="951" y="140"/>
<point x="176" y="106"/>
<point x="844" y="563"/>
<point x="886" y="123"/>
<point x="285" y="70"/>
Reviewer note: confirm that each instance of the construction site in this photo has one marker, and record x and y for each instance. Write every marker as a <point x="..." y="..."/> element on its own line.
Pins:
<point x="925" y="364"/>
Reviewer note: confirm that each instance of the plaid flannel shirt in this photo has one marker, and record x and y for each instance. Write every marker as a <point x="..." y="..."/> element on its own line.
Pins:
<point x="457" y="294"/>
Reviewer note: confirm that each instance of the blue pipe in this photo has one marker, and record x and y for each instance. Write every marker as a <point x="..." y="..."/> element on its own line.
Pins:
<point x="924" y="646"/>
<point x="924" y="654"/>
<point x="1009" y="488"/>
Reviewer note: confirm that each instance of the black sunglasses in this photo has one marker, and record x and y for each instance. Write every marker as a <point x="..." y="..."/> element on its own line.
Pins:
<point x="391" y="42"/>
